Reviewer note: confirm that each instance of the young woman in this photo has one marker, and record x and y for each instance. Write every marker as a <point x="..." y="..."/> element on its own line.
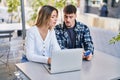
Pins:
<point x="41" y="39"/>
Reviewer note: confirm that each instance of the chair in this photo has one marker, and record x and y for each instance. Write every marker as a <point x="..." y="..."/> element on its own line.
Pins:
<point x="5" y="47"/>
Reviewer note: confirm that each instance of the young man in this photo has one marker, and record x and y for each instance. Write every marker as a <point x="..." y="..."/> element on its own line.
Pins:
<point x="73" y="34"/>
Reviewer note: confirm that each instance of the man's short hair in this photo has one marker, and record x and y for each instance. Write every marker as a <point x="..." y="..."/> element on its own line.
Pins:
<point x="69" y="9"/>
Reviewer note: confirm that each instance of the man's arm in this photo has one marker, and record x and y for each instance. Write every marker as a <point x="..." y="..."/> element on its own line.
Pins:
<point x="87" y="42"/>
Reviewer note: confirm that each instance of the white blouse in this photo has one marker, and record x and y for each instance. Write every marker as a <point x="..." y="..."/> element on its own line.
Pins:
<point x="37" y="49"/>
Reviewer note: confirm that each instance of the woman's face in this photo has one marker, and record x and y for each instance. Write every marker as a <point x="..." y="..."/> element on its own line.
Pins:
<point x="53" y="19"/>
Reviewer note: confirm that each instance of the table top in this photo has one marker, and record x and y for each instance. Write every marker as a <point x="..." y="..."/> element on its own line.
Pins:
<point x="12" y="26"/>
<point x="101" y="67"/>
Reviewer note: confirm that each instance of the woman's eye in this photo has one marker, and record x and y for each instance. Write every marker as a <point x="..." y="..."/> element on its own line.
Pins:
<point x="53" y="17"/>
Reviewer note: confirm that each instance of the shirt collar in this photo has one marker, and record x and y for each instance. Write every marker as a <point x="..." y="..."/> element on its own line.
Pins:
<point x="65" y="27"/>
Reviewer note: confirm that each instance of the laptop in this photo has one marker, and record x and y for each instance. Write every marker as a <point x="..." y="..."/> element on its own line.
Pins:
<point x="66" y="60"/>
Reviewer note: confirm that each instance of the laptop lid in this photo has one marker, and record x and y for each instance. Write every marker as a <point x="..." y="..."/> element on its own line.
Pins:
<point x="65" y="60"/>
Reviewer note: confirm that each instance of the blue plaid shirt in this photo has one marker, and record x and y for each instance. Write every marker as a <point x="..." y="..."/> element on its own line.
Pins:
<point x="83" y="38"/>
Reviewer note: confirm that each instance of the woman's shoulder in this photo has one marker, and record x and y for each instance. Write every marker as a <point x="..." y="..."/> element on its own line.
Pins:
<point x="32" y="29"/>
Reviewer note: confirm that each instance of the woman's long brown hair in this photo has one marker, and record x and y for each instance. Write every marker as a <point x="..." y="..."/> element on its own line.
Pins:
<point x="44" y="15"/>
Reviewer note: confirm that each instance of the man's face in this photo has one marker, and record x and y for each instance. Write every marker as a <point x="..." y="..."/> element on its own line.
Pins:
<point x="69" y="19"/>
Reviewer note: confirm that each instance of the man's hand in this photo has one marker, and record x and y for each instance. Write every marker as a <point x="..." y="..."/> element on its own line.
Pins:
<point x="87" y="56"/>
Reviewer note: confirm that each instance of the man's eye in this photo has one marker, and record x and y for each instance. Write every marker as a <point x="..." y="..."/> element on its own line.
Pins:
<point x="66" y="17"/>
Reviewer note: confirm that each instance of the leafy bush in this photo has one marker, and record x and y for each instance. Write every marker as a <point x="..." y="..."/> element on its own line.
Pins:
<point x="37" y="3"/>
<point x="115" y="39"/>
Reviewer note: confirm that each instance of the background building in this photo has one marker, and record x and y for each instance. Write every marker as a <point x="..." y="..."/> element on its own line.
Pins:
<point x="93" y="6"/>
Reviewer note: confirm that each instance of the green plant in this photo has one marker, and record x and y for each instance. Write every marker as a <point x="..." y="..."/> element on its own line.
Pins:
<point x="12" y="6"/>
<point x="37" y="3"/>
<point x="60" y="4"/>
<point x="115" y="39"/>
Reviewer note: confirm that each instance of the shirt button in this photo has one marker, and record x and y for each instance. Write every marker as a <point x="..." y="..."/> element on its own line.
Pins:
<point x="43" y="51"/>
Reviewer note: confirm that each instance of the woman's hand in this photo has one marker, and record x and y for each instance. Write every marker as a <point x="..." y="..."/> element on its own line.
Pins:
<point x="49" y="60"/>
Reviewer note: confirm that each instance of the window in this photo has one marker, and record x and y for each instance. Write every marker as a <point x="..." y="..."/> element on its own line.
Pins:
<point x="94" y="3"/>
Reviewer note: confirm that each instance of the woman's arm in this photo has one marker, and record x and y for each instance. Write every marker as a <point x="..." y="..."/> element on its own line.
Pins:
<point x="30" y="49"/>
